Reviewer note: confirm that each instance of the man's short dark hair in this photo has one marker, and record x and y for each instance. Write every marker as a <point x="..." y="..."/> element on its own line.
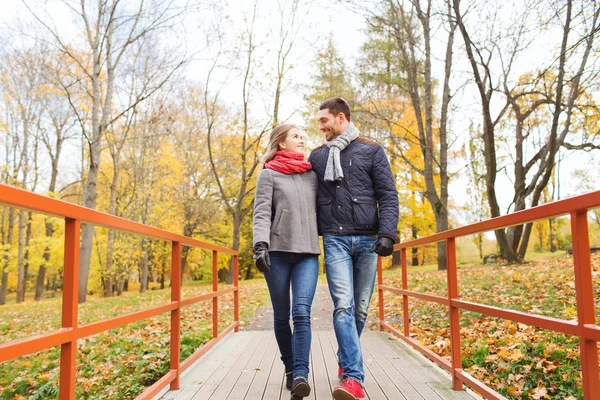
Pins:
<point x="336" y="105"/>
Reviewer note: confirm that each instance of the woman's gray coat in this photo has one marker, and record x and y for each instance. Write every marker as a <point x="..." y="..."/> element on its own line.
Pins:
<point x="285" y="215"/>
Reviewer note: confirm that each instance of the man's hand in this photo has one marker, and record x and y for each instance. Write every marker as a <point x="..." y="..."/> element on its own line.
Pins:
<point x="384" y="246"/>
<point x="261" y="255"/>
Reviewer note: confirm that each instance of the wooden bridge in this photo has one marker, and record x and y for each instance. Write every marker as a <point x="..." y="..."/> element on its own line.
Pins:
<point x="244" y="365"/>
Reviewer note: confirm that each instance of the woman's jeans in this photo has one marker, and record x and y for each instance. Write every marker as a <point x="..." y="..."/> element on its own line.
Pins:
<point x="301" y="270"/>
<point x="351" y="269"/>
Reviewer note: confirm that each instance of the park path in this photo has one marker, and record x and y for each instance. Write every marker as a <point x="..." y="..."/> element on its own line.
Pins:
<point x="321" y="313"/>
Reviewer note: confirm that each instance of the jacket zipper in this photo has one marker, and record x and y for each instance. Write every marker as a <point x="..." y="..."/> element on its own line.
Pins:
<point x="350" y="168"/>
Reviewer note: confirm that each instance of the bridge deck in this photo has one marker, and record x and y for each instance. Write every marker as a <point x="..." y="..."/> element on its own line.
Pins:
<point x="246" y="365"/>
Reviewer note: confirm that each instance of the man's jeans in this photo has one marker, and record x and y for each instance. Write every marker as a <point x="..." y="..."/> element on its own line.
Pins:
<point x="301" y="270"/>
<point x="351" y="270"/>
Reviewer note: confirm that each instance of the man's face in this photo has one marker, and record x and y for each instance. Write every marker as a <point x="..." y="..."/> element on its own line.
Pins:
<point x="330" y="124"/>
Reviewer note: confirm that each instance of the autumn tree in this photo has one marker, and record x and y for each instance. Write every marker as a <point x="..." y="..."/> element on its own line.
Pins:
<point x="559" y="87"/>
<point x="237" y="198"/>
<point x="109" y="32"/>
<point x="400" y="68"/>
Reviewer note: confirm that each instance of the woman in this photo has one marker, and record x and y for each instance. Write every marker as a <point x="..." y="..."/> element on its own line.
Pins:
<point x="286" y="246"/>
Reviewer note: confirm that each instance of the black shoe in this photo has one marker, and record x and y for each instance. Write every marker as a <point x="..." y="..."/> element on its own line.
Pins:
<point x="289" y="378"/>
<point x="300" y="389"/>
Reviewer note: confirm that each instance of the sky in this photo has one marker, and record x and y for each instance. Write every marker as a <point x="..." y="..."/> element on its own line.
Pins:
<point x="348" y="30"/>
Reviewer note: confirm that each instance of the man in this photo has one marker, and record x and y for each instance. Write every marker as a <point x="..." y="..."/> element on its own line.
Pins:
<point x="357" y="212"/>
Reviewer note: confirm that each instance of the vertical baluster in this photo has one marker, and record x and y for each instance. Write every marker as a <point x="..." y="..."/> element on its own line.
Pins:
<point x="405" y="297"/>
<point x="236" y="294"/>
<point x="215" y="286"/>
<point x="70" y="305"/>
<point x="176" y="313"/>
<point x="379" y="284"/>
<point x="453" y="312"/>
<point x="585" y="303"/>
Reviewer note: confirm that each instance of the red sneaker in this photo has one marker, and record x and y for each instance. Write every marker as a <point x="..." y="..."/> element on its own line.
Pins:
<point x="349" y="390"/>
<point x="340" y="373"/>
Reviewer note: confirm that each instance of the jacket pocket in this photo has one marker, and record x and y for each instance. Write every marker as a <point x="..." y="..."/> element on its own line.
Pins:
<point x="324" y="214"/>
<point x="365" y="213"/>
<point x="279" y="222"/>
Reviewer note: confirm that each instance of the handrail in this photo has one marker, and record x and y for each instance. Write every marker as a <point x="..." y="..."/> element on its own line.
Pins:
<point x="585" y="327"/>
<point x="71" y="331"/>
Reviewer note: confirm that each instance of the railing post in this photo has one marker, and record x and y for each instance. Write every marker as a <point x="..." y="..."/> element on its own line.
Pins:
<point x="405" y="297"/>
<point x="236" y="294"/>
<point x="585" y="304"/>
<point x="379" y="284"/>
<point x="453" y="312"/>
<point x="215" y="287"/>
<point x="70" y="306"/>
<point x="176" y="313"/>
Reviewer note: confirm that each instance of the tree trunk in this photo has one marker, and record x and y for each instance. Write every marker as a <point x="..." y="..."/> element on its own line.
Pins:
<point x="441" y="225"/>
<point x="488" y="136"/>
<point x="237" y="224"/>
<point x="8" y="242"/>
<point x="27" y="256"/>
<point x="552" y="236"/>
<point x="41" y="275"/>
<point x="110" y="246"/>
<point x="144" y="267"/>
<point x="415" y="250"/>
<point x="21" y="257"/>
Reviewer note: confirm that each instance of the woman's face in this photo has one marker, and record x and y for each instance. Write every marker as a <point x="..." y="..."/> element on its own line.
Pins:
<point x="294" y="141"/>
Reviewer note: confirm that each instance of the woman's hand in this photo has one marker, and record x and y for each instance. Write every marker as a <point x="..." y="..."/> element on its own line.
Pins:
<point x="261" y="255"/>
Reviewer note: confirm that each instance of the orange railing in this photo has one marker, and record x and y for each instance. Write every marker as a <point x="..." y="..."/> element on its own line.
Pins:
<point x="71" y="331"/>
<point x="585" y="327"/>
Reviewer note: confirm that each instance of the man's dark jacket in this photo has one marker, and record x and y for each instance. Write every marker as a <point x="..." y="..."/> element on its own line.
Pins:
<point x="365" y="201"/>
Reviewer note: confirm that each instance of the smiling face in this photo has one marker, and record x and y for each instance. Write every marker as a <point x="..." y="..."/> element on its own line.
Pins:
<point x="331" y="125"/>
<point x="294" y="141"/>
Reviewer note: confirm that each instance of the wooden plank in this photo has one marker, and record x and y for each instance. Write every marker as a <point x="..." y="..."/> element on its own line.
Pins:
<point x="330" y="357"/>
<point x="333" y="371"/>
<point x="239" y="371"/>
<point x="321" y="387"/>
<point x="445" y="390"/>
<point x="275" y="385"/>
<point x="241" y="352"/>
<point x="377" y="382"/>
<point x="407" y="364"/>
<point x="395" y="377"/>
<point x="247" y="365"/>
<point x="259" y="383"/>
<point x="438" y="379"/>
<point x="251" y="368"/>
<point x="193" y="379"/>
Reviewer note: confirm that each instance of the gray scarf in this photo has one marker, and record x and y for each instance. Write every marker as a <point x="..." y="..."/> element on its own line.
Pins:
<point x="334" y="171"/>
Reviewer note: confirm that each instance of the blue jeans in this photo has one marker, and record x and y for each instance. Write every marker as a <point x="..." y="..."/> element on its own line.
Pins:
<point x="301" y="270"/>
<point x="351" y="269"/>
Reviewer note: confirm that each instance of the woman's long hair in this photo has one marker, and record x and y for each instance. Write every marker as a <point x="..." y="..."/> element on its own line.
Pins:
<point x="277" y="135"/>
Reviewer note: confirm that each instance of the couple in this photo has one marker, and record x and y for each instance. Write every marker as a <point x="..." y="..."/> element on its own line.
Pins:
<point x="345" y="192"/>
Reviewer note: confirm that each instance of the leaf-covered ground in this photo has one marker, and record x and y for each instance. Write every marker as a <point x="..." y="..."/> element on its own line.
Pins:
<point x="517" y="360"/>
<point x="120" y="363"/>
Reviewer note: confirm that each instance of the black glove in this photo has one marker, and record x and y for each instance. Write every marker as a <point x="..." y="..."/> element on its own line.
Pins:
<point x="261" y="255"/>
<point x="384" y="246"/>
